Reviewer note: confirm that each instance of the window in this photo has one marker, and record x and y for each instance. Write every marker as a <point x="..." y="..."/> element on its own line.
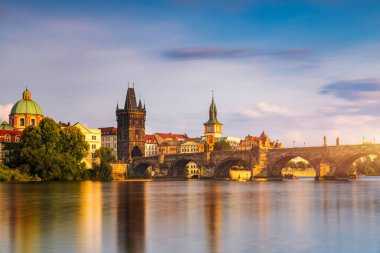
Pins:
<point x="93" y="138"/>
<point x="22" y="122"/>
<point x="33" y="122"/>
<point x="93" y="146"/>
<point x="17" y="138"/>
<point x="7" y="138"/>
<point x="93" y="155"/>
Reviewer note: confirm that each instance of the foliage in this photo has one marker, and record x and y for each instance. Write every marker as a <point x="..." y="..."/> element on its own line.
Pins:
<point x="12" y="154"/>
<point x="222" y="146"/>
<point x="300" y="165"/>
<point x="14" y="175"/>
<point x="366" y="166"/>
<point x="104" y="170"/>
<point x="52" y="152"/>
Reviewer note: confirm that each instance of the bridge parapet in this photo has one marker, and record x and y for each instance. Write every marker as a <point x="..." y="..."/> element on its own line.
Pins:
<point x="263" y="162"/>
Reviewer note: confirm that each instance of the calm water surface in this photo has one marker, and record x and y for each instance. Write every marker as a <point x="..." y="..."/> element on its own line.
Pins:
<point x="191" y="216"/>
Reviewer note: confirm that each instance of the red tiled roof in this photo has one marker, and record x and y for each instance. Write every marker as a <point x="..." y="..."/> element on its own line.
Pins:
<point x="172" y="136"/>
<point x="194" y="139"/>
<point x="149" y="138"/>
<point x="108" y="130"/>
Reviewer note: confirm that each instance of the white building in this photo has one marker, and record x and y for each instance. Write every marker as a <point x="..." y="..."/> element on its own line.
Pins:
<point x="109" y="138"/>
<point x="151" y="145"/>
<point x="233" y="141"/>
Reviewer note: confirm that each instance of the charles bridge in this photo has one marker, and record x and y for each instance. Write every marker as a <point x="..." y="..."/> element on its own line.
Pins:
<point x="328" y="161"/>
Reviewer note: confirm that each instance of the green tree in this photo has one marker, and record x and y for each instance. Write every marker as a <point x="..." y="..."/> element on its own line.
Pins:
<point x="222" y="146"/>
<point x="104" y="170"/>
<point x="53" y="153"/>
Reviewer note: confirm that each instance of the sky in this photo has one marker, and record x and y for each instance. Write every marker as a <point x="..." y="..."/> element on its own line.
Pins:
<point x="297" y="69"/>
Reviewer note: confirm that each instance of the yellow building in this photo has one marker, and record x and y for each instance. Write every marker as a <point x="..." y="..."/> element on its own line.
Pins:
<point x="207" y="144"/>
<point x="93" y="137"/>
<point x="193" y="171"/>
<point x="25" y="112"/>
<point x="213" y="127"/>
<point x="191" y="145"/>
<point x="240" y="173"/>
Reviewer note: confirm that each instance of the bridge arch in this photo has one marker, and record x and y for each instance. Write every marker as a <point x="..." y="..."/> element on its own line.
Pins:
<point x="143" y="170"/>
<point x="178" y="167"/>
<point x="342" y="168"/>
<point x="275" y="170"/>
<point x="222" y="170"/>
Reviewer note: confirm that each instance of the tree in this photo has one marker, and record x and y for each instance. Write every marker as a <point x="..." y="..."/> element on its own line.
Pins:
<point x="52" y="152"/>
<point x="222" y="146"/>
<point x="104" y="170"/>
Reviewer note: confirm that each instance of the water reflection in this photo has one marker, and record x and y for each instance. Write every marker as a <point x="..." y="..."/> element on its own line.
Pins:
<point x="90" y="218"/>
<point x="213" y="217"/>
<point x="196" y="216"/>
<point x="131" y="217"/>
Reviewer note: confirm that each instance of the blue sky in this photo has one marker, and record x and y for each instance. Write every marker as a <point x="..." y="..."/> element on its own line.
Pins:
<point x="296" y="69"/>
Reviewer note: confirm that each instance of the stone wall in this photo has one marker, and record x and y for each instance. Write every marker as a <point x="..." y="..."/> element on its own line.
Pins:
<point x="119" y="171"/>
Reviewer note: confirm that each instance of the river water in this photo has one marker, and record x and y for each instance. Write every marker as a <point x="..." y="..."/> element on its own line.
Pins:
<point x="191" y="216"/>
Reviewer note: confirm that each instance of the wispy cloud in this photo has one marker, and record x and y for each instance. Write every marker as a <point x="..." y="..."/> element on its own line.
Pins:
<point x="202" y="53"/>
<point x="353" y="90"/>
<point x="263" y="109"/>
<point x="5" y="111"/>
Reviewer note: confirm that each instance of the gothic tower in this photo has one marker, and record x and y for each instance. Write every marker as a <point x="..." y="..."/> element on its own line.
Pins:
<point x="213" y="127"/>
<point x="130" y="128"/>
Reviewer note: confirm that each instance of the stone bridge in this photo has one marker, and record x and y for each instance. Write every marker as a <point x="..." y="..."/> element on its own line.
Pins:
<point x="328" y="161"/>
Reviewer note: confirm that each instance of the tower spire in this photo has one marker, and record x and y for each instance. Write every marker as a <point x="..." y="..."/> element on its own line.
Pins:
<point x="213" y="113"/>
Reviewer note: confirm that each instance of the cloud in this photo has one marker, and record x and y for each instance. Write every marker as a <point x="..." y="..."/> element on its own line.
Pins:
<point x="273" y="109"/>
<point x="4" y="111"/>
<point x="202" y="53"/>
<point x="352" y="90"/>
<point x="263" y="109"/>
<point x="349" y="119"/>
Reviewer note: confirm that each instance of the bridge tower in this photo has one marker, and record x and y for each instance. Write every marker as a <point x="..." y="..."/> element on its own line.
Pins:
<point x="213" y="127"/>
<point x="130" y="128"/>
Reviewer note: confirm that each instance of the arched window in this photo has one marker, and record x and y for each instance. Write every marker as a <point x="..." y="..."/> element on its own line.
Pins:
<point x="7" y="138"/>
<point x="17" y="138"/>
<point x="33" y="122"/>
<point x="22" y="122"/>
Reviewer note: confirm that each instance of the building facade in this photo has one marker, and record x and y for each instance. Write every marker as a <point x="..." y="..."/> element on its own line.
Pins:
<point x="130" y="128"/>
<point x="151" y="145"/>
<point x="192" y="171"/>
<point x="109" y="138"/>
<point x="262" y="142"/>
<point x="8" y="135"/>
<point x="168" y="143"/>
<point x="25" y="112"/>
<point x="93" y="138"/>
<point x="233" y="141"/>
<point x="190" y="146"/>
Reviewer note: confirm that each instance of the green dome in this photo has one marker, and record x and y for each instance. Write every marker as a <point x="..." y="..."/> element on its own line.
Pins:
<point x="26" y="105"/>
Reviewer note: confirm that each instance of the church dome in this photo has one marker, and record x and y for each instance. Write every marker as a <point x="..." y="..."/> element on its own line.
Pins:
<point x="26" y="105"/>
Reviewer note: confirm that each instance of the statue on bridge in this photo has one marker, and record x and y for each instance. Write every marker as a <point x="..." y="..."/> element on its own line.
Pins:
<point x="324" y="141"/>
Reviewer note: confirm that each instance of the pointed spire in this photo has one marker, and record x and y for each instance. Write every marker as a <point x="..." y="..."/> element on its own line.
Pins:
<point x="140" y="104"/>
<point x="263" y="135"/>
<point x="117" y="105"/>
<point x="213" y="112"/>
